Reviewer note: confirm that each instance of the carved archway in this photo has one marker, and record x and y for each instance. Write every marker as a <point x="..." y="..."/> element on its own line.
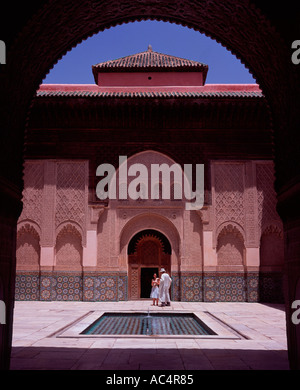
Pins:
<point x="28" y="247"/>
<point x="68" y="248"/>
<point x="231" y="247"/>
<point x="271" y="248"/>
<point x="148" y="251"/>
<point x="271" y="256"/>
<point x="154" y="221"/>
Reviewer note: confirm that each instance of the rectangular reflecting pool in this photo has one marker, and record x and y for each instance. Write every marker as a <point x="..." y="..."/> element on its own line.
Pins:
<point x="148" y="324"/>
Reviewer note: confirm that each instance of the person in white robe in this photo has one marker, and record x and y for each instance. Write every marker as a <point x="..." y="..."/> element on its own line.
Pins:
<point x="164" y="287"/>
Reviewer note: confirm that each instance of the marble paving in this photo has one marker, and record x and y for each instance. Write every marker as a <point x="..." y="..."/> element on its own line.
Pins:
<point x="258" y="339"/>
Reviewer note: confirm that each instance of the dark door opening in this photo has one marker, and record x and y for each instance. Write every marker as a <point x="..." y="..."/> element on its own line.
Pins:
<point x="148" y="251"/>
<point x="146" y="278"/>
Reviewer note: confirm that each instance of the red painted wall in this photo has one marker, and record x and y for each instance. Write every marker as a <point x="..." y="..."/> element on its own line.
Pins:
<point x="150" y="79"/>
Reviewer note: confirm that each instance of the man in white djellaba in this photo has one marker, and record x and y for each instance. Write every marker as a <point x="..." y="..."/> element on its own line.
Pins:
<point x="164" y="286"/>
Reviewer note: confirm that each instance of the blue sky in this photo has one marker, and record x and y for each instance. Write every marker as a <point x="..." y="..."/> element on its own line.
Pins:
<point x="131" y="38"/>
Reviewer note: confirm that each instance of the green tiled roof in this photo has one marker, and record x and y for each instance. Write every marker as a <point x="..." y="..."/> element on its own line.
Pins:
<point x="149" y="60"/>
<point x="109" y="94"/>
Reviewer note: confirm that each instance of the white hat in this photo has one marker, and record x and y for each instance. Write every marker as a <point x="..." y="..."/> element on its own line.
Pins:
<point x="162" y="270"/>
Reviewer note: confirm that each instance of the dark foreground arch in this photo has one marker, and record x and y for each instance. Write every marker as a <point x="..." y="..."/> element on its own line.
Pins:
<point x="53" y="27"/>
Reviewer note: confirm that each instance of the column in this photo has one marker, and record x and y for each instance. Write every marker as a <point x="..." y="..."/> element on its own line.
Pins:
<point x="48" y="217"/>
<point x="47" y="243"/>
<point x="10" y="209"/>
<point x="210" y="260"/>
<point x="90" y="250"/>
<point x="252" y="242"/>
<point x="288" y="208"/>
<point x="90" y="253"/>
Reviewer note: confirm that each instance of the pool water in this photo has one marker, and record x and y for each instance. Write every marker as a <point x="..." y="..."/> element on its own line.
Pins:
<point x="143" y="324"/>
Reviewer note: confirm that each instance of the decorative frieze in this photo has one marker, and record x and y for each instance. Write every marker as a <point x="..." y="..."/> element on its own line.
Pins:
<point x="48" y="207"/>
<point x="266" y="195"/>
<point x="186" y="286"/>
<point x="251" y="212"/>
<point x="71" y="193"/>
<point x="229" y="193"/>
<point x="33" y="191"/>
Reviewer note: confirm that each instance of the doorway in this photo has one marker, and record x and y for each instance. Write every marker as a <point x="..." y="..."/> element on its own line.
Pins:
<point x="148" y="251"/>
<point x="146" y="278"/>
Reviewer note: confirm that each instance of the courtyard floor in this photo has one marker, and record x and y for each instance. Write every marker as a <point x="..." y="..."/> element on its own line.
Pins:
<point x="44" y="338"/>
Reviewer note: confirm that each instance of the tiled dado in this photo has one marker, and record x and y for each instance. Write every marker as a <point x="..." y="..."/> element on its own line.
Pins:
<point x="271" y="287"/>
<point x="70" y="286"/>
<point x="215" y="287"/>
<point x="186" y="286"/>
<point x="105" y="287"/>
<point x="225" y="287"/>
<point x="62" y="286"/>
<point x="27" y="286"/>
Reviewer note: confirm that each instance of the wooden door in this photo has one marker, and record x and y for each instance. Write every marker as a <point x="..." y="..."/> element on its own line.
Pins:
<point x="148" y="254"/>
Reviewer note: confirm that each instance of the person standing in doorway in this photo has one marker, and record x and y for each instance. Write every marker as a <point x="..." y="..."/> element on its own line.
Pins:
<point x="154" y="290"/>
<point x="164" y="287"/>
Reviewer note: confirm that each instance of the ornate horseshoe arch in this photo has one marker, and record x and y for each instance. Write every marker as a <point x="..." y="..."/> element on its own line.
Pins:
<point x="148" y="251"/>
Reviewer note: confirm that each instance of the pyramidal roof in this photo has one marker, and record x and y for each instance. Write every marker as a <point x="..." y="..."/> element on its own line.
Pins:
<point x="150" y="60"/>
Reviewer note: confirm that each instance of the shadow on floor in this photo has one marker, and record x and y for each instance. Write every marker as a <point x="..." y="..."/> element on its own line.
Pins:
<point x="278" y="306"/>
<point x="59" y="358"/>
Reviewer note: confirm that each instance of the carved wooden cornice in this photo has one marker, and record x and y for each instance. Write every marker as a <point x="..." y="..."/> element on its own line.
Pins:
<point x="177" y="112"/>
